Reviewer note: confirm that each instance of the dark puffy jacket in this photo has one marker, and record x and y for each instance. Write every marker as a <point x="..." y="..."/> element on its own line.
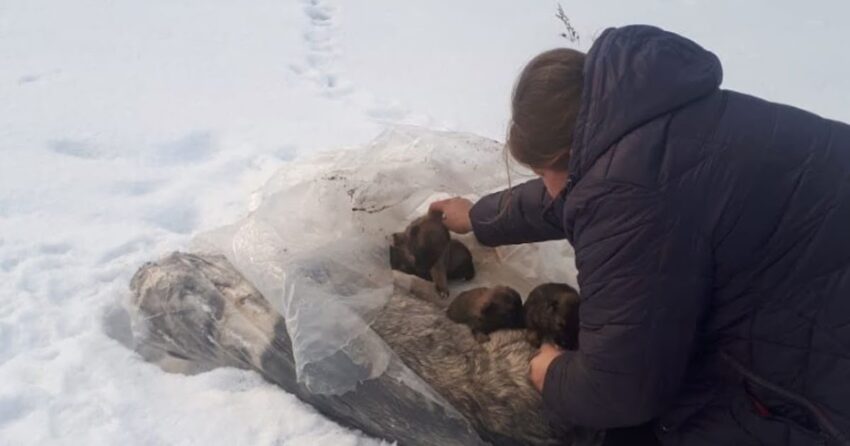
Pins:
<point x="712" y="239"/>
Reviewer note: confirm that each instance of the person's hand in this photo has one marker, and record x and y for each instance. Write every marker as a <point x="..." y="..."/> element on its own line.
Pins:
<point x="539" y="364"/>
<point x="455" y="213"/>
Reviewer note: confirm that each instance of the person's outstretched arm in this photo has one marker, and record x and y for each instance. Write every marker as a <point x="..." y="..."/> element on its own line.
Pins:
<point x="645" y="277"/>
<point x="496" y="222"/>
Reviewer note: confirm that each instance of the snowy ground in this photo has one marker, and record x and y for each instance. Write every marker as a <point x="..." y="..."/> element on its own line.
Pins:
<point x="127" y="126"/>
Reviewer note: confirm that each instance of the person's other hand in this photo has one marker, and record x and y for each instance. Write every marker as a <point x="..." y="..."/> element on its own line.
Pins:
<point x="455" y="213"/>
<point x="539" y="364"/>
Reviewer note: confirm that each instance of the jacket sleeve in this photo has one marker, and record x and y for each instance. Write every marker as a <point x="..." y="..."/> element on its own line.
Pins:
<point x="523" y="220"/>
<point x="644" y="273"/>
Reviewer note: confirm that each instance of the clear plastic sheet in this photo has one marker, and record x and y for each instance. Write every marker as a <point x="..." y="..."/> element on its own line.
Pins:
<point x="330" y="299"/>
<point x="316" y="243"/>
<point x="194" y="312"/>
<point x="315" y="246"/>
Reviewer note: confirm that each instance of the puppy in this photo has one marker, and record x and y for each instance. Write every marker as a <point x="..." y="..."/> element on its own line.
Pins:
<point x="425" y="249"/>
<point x="456" y="257"/>
<point x="551" y="315"/>
<point x="486" y="310"/>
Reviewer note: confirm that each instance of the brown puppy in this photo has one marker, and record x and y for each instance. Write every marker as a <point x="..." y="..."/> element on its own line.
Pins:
<point x="551" y="315"/>
<point x="457" y="258"/>
<point x="426" y="250"/>
<point x="486" y="310"/>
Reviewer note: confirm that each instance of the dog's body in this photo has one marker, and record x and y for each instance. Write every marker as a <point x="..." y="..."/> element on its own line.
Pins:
<point x="426" y="249"/>
<point x="456" y="257"/>
<point x="198" y="311"/>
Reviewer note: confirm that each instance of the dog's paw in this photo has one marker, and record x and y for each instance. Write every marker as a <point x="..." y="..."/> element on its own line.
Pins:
<point x="442" y="291"/>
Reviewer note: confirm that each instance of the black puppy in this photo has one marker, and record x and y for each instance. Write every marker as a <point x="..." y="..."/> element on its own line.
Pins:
<point x="425" y="249"/>
<point x="486" y="310"/>
<point x="551" y="315"/>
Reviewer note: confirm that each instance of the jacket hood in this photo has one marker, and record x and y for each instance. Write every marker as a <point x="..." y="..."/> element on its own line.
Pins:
<point x="632" y="75"/>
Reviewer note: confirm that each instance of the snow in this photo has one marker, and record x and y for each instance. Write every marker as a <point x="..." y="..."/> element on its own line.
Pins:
<point x="126" y="127"/>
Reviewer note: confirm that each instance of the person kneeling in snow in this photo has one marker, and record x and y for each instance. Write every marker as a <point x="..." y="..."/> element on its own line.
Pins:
<point x="712" y="240"/>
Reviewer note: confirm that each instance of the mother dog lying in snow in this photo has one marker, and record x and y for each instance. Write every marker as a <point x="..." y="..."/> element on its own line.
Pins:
<point x="199" y="312"/>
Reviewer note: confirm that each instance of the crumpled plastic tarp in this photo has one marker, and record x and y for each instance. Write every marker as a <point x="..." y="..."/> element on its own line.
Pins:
<point x="316" y="245"/>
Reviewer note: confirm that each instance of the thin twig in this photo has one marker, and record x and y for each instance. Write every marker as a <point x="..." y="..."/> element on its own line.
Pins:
<point x="571" y="34"/>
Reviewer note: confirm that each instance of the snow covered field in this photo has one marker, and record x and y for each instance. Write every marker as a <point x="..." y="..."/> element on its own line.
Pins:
<point x="127" y="126"/>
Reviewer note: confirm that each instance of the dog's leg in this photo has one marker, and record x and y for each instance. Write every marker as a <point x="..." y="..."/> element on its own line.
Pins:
<point x="441" y="281"/>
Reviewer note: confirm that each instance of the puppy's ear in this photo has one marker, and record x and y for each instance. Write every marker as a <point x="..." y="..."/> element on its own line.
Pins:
<point x="459" y="308"/>
<point x="514" y="296"/>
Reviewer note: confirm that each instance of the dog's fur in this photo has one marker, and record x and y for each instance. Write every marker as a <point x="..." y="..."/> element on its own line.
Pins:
<point x="199" y="311"/>
<point x="485" y="310"/>
<point x="426" y="249"/>
<point x="551" y="315"/>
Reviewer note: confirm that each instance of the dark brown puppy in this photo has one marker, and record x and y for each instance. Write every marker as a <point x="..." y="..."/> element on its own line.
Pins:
<point x="457" y="258"/>
<point x="425" y="249"/>
<point x="551" y="315"/>
<point x="486" y="310"/>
